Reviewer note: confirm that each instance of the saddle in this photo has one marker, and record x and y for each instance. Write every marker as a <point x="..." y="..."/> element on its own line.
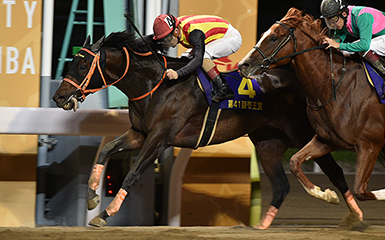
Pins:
<point x="248" y="96"/>
<point x="375" y="80"/>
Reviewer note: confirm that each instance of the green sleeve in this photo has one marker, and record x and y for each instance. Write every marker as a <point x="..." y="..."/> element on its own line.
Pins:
<point x="364" y="24"/>
<point x="340" y="34"/>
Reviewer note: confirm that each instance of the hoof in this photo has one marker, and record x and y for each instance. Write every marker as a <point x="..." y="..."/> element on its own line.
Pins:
<point x="240" y="226"/>
<point x="328" y="196"/>
<point x="97" y="222"/>
<point x="260" y="227"/>
<point x="353" y="222"/>
<point x="93" y="203"/>
<point x="331" y="197"/>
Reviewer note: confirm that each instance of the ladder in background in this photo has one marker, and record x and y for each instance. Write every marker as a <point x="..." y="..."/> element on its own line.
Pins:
<point x="114" y="20"/>
<point x="70" y="24"/>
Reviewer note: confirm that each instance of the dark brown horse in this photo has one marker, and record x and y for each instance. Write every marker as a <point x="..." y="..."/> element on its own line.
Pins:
<point x="167" y="113"/>
<point x="345" y="113"/>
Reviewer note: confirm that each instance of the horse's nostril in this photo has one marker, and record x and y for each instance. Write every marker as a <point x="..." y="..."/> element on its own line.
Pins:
<point x="59" y="99"/>
<point x="244" y="65"/>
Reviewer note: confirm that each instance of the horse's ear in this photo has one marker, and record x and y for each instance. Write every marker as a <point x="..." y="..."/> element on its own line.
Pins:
<point x="96" y="46"/>
<point x="87" y="41"/>
<point x="294" y="11"/>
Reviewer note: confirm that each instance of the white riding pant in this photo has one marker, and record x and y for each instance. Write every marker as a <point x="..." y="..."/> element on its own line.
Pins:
<point x="377" y="45"/>
<point x="222" y="47"/>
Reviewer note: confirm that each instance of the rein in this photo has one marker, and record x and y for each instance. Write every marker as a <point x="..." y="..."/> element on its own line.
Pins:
<point x="157" y="85"/>
<point x="334" y="87"/>
<point x="294" y="54"/>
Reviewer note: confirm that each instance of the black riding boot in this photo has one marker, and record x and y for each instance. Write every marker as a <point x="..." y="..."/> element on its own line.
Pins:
<point x="221" y="90"/>
<point x="378" y="63"/>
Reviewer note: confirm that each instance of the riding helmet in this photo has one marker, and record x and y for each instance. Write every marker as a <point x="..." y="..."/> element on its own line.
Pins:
<point x="164" y="24"/>
<point x="331" y="8"/>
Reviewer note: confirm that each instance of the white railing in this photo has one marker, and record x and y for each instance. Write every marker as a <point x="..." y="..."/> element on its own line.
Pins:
<point x="56" y="121"/>
<point x="87" y="122"/>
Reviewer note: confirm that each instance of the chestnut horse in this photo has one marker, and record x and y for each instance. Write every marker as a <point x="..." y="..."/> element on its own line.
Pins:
<point x="343" y="108"/>
<point x="167" y="113"/>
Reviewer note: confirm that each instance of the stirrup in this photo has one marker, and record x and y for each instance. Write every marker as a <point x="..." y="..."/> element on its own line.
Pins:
<point x="221" y="95"/>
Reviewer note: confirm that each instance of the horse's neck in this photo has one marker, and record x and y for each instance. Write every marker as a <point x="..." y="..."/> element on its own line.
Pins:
<point x="139" y="77"/>
<point x="313" y="69"/>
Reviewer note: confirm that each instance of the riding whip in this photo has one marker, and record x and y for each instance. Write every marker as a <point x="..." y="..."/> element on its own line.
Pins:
<point x="140" y="35"/>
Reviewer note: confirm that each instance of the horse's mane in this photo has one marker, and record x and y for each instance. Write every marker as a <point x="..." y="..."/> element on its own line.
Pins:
<point x="312" y="27"/>
<point x="124" y="38"/>
<point x="306" y="22"/>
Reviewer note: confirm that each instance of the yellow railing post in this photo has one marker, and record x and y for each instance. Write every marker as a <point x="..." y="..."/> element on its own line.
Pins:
<point x="256" y="195"/>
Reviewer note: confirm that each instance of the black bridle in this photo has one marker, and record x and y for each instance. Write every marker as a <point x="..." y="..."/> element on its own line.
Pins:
<point x="268" y="61"/>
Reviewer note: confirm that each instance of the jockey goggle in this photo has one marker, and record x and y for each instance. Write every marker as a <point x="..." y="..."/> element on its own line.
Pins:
<point x="332" y="22"/>
<point x="167" y="39"/>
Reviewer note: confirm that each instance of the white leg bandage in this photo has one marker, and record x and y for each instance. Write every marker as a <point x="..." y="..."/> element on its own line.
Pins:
<point x="380" y="194"/>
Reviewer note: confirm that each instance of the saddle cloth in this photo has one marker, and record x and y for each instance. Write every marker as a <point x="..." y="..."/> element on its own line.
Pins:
<point x="375" y="80"/>
<point x="248" y="94"/>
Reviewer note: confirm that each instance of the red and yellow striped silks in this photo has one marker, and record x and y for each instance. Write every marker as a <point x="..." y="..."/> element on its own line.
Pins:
<point x="212" y="26"/>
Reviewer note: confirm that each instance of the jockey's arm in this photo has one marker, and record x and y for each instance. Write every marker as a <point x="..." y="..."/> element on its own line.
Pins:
<point x="197" y="39"/>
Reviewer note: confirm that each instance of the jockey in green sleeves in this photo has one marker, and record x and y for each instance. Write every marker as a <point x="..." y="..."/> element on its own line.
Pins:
<point x="365" y="23"/>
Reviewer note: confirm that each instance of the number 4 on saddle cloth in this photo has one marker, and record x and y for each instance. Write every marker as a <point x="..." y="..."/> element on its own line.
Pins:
<point x="375" y="80"/>
<point x="248" y="96"/>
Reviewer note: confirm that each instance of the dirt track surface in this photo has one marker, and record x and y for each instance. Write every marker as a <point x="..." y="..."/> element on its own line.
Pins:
<point x="300" y="217"/>
<point x="170" y="233"/>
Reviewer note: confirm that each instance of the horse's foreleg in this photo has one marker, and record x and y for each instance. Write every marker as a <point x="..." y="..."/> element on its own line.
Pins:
<point x="111" y="210"/>
<point x="270" y="155"/>
<point x="352" y="204"/>
<point x="366" y="158"/>
<point x="130" y="140"/>
<point x="153" y="146"/>
<point x="93" y="184"/>
<point x="267" y="219"/>
<point x="314" y="149"/>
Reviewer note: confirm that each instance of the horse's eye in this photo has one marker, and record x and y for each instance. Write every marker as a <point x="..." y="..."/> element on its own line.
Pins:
<point x="273" y="38"/>
<point x="82" y="69"/>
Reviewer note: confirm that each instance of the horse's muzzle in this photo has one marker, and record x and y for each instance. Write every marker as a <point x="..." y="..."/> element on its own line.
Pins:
<point x="247" y="70"/>
<point x="66" y="104"/>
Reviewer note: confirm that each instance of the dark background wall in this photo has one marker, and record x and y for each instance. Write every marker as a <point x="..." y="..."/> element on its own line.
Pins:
<point x="270" y="11"/>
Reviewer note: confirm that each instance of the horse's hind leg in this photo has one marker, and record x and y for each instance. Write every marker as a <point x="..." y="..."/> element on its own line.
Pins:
<point x="366" y="158"/>
<point x="270" y="155"/>
<point x="130" y="140"/>
<point x="336" y="176"/>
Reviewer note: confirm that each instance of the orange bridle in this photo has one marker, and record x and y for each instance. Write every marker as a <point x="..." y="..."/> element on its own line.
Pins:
<point x="157" y="85"/>
<point x="96" y="64"/>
